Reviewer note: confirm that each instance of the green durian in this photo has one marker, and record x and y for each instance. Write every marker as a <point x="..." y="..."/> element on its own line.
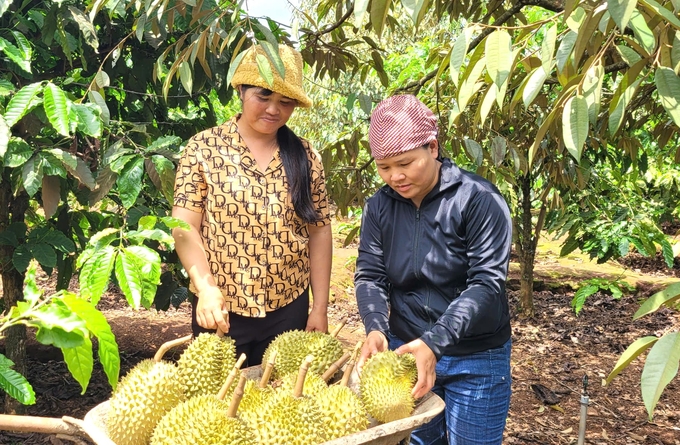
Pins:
<point x="205" y="364"/>
<point x="290" y="420"/>
<point x="202" y="420"/>
<point x="254" y="399"/>
<point x="313" y="385"/>
<point x="140" y="400"/>
<point x="386" y="383"/>
<point x="293" y="346"/>
<point x="343" y="411"/>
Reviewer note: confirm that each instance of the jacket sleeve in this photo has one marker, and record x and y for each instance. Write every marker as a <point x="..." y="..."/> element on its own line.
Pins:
<point x="480" y="306"/>
<point x="370" y="280"/>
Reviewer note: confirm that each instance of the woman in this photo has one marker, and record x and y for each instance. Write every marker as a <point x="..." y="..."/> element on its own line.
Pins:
<point x="254" y="196"/>
<point x="430" y="275"/>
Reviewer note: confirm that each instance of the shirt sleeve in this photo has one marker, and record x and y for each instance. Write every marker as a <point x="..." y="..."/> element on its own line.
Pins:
<point x="489" y="234"/>
<point x="318" y="186"/>
<point x="371" y="284"/>
<point x="190" y="184"/>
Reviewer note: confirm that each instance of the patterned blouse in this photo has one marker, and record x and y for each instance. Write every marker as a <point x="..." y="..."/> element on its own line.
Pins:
<point x="256" y="245"/>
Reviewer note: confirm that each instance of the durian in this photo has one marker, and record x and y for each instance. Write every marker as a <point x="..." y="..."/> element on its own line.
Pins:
<point x="205" y="420"/>
<point x="293" y="346"/>
<point x="140" y="400"/>
<point x="290" y="418"/>
<point x="342" y="410"/>
<point x="205" y="364"/>
<point x="255" y="395"/>
<point x="386" y="383"/>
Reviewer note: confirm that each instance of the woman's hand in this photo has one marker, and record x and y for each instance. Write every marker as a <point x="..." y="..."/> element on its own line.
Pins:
<point x="317" y="320"/>
<point x="426" y="363"/>
<point x="209" y="310"/>
<point x="375" y="342"/>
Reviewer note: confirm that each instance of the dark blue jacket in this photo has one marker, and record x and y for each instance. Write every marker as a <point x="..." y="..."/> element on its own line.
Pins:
<point x="441" y="268"/>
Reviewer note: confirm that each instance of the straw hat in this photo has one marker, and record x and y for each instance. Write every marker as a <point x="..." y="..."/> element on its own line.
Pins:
<point x="248" y="73"/>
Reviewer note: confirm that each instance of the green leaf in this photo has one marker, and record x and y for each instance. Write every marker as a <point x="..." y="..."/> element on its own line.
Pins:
<point x="14" y="383"/>
<point x="59" y="241"/>
<point x="618" y="107"/>
<point x="668" y="87"/>
<point x="631" y="353"/>
<point x="274" y="57"/>
<point x="565" y="48"/>
<point x="44" y="254"/>
<point x="575" y="19"/>
<point x="31" y="175"/>
<point x="80" y="362"/>
<point x="499" y="148"/>
<point x="621" y="11"/>
<point x="533" y="86"/>
<point x="166" y="173"/>
<point x="498" y="56"/>
<point x="4" y="6"/>
<point x="592" y="91"/>
<point x="97" y="99"/>
<point x="667" y="296"/>
<point x="24" y="45"/>
<point x="581" y="295"/>
<point x="96" y="272"/>
<point x="97" y="324"/>
<point x="56" y="108"/>
<point x="624" y="246"/>
<point x="575" y="125"/>
<point x="164" y="144"/>
<point x="458" y="53"/>
<point x="150" y="267"/>
<point x="474" y="150"/>
<point x="629" y="55"/>
<point x="21" y="103"/>
<point x="379" y="11"/>
<point x="185" y="76"/>
<point x="86" y="27"/>
<point x="86" y="119"/>
<point x="67" y="159"/>
<point x="83" y="174"/>
<point x="360" y="7"/>
<point x="58" y="326"/>
<point x="667" y="251"/>
<point x="130" y="181"/>
<point x="662" y="11"/>
<point x="234" y="65"/>
<point x="5" y="135"/>
<point x="130" y="277"/>
<point x="15" y="55"/>
<point x="660" y="368"/>
<point x="548" y="48"/>
<point x="414" y="9"/>
<point x="21" y="258"/>
<point x="6" y="87"/>
<point x="265" y="69"/>
<point x="642" y="32"/>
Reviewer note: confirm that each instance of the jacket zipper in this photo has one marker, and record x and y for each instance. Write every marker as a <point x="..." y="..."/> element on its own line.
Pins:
<point x="416" y="270"/>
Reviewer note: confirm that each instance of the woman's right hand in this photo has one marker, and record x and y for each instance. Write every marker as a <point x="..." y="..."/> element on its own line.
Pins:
<point x="375" y="342"/>
<point x="209" y="310"/>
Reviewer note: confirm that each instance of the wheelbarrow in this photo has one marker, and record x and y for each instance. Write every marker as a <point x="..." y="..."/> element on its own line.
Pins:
<point x="93" y="426"/>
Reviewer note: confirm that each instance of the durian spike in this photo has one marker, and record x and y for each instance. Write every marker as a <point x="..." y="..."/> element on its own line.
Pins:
<point x="269" y="367"/>
<point x="165" y="347"/>
<point x="330" y="372"/>
<point x="351" y="363"/>
<point x="302" y="374"/>
<point x="230" y="378"/>
<point x="337" y="329"/>
<point x="237" y="396"/>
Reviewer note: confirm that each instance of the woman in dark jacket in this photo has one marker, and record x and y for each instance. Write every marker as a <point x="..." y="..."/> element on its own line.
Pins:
<point x="431" y="272"/>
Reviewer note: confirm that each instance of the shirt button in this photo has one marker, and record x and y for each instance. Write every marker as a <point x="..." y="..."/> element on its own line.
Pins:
<point x="262" y="181"/>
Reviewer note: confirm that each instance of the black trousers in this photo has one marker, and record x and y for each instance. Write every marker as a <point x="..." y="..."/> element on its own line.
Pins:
<point x="253" y="335"/>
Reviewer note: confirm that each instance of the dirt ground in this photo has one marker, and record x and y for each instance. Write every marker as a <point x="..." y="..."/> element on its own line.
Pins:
<point x="555" y="349"/>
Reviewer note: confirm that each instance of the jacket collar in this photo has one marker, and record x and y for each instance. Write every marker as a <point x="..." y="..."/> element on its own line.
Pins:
<point x="449" y="176"/>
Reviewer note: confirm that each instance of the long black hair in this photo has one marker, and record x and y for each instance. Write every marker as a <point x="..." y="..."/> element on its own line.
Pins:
<point x="296" y="165"/>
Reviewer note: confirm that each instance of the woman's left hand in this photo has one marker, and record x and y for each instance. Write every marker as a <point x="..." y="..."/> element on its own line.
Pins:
<point x="426" y="363"/>
<point x="317" y="321"/>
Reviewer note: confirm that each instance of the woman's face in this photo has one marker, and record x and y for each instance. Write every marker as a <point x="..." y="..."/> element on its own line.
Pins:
<point x="413" y="173"/>
<point x="265" y="111"/>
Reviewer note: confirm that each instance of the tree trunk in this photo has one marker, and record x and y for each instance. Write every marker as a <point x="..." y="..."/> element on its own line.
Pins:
<point x="12" y="210"/>
<point x="526" y="250"/>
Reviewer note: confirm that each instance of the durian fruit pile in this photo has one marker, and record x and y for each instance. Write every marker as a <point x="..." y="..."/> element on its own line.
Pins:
<point x="160" y="403"/>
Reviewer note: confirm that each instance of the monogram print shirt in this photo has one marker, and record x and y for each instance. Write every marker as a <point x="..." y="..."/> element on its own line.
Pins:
<point x="256" y="245"/>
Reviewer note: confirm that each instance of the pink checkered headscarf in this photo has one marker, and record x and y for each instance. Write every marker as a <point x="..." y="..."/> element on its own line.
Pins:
<point x="398" y="124"/>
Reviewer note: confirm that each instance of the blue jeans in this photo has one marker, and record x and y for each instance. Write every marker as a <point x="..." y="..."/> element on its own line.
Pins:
<point x="476" y="391"/>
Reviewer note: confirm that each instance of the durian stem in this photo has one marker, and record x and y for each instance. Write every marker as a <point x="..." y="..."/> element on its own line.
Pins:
<point x="230" y="378"/>
<point x="165" y="347"/>
<point x="30" y="424"/>
<point x="351" y="363"/>
<point x="330" y="372"/>
<point x="302" y="374"/>
<point x="236" y="397"/>
<point x="269" y="367"/>
<point x="336" y="331"/>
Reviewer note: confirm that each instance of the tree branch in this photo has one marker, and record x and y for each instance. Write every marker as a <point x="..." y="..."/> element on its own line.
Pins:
<point x="335" y="25"/>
